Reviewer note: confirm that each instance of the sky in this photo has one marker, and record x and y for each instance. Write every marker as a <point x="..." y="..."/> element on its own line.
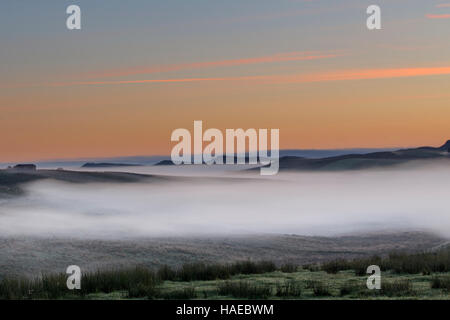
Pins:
<point x="137" y="70"/>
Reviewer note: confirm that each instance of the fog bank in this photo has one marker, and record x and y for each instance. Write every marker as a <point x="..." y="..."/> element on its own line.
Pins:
<point x="300" y="203"/>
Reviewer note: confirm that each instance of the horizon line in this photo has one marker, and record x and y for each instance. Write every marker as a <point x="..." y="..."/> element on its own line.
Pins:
<point x="166" y="157"/>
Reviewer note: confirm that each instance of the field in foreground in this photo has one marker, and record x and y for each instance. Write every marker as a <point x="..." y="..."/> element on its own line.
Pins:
<point x="404" y="276"/>
<point x="303" y="284"/>
<point x="29" y="257"/>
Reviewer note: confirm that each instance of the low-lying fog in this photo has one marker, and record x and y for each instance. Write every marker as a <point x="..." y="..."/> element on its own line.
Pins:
<point x="300" y="203"/>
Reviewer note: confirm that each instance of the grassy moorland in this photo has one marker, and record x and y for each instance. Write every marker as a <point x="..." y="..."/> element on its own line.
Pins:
<point x="32" y="256"/>
<point x="404" y="276"/>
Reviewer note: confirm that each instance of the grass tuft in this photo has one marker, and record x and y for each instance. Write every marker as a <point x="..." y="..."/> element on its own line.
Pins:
<point x="244" y="289"/>
<point x="291" y="288"/>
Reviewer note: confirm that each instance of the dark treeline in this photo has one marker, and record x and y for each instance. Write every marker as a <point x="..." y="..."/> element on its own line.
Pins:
<point x="425" y="263"/>
<point x="137" y="282"/>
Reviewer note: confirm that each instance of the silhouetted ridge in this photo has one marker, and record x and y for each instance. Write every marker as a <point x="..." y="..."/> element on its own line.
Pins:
<point x="107" y="165"/>
<point x="368" y="160"/>
<point x="378" y="159"/>
<point x="164" y="163"/>
<point x="224" y="160"/>
<point x="446" y="146"/>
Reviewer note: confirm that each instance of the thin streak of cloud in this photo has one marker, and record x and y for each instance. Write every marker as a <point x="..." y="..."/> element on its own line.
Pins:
<point x="443" y="5"/>
<point x="438" y="16"/>
<point x="280" y="57"/>
<point x="363" y="74"/>
<point x="344" y="75"/>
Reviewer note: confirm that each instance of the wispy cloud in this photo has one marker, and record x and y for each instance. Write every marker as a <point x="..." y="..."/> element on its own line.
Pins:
<point x="342" y="75"/>
<point x="363" y="74"/>
<point x="438" y="16"/>
<point x="443" y="5"/>
<point x="279" y="57"/>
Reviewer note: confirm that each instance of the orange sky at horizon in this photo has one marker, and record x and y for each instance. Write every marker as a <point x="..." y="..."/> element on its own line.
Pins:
<point x="353" y="113"/>
<point x="319" y="76"/>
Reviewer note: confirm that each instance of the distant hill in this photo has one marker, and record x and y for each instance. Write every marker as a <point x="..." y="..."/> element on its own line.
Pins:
<point x="356" y="161"/>
<point x="107" y="165"/>
<point x="170" y="163"/>
<point x="164" y="163"/>
<point x="364" y="161"/>
<point x="11" y="179"/>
